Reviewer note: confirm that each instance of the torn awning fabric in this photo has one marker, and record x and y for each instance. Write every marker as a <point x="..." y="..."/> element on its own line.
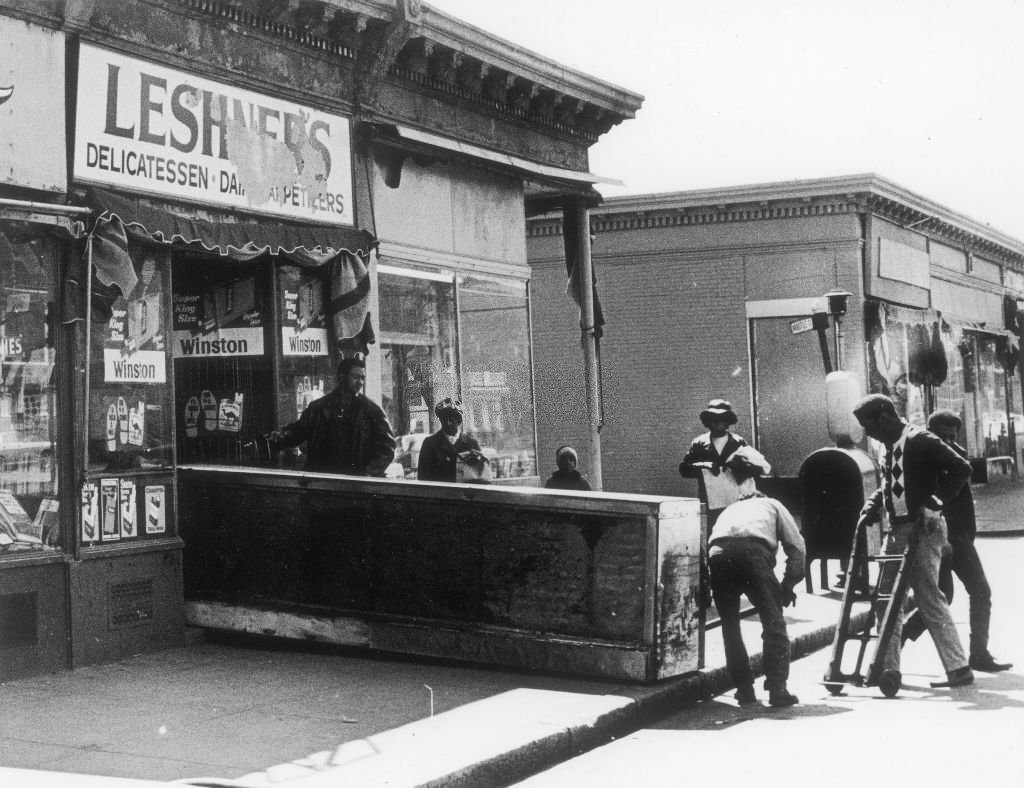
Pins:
<point x="122" y="219"/>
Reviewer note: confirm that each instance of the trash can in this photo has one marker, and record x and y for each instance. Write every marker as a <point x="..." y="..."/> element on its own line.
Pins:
<point x="834" y="484"/>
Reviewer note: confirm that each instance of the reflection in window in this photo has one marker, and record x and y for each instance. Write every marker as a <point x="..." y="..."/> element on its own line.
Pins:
<point x="28" y="407"/>
<point x="420" y="355"/>
<point x="497" y="391"/>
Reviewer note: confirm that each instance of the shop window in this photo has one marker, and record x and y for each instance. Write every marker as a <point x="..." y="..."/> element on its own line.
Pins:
<point x="494" y="333"/>
<point x="419" y="354"/>
<point x="129" y="391"/>
<point x="28" y="392"/>
<point x="306" y="368"/>
<point x="223" y="372"/>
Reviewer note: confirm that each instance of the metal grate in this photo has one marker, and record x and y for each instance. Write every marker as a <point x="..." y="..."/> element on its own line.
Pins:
<point x="131" y="603"/>
<point x="18" y="621"/>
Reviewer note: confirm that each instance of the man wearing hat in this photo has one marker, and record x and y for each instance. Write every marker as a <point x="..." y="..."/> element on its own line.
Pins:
<point x="566" y="477"/>
<point x="344" y="431"/>
<point x="707" y="455"/>
<point x="439" y="454"/>
<point x="742" y="549"/>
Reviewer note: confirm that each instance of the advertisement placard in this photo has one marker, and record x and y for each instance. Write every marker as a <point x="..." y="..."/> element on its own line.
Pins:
<point x="31" y="96"/>
<point x="171" y="133"/>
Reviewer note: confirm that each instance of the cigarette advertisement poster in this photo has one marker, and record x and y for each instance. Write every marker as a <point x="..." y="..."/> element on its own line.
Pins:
<point x="175" y="134"/>
<point x="129" y="512"/>
<point x="219" y="321"/>
<point x="156" y="514"/>
<point x="303" y="322"/>
<point x="90" y="512"/>
<point x="110" y="522"/>
<point x="135" y="343"/>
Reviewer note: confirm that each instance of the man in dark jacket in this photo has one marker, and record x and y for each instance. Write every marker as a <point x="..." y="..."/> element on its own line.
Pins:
<point x="439" y="454"/>
<point x="566" y="477"/>
<point x="707" y="455"/>
<point x="963" y="560"/>
<point x="344" y="431"/>
<point x="922" y="476"/>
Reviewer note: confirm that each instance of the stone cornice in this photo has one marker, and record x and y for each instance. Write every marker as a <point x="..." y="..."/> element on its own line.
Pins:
<point x="868" y="193"/>
<point x="411" y="42"/>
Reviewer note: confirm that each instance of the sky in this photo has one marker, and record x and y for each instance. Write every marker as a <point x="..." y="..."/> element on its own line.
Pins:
<point x="926" y="93"/>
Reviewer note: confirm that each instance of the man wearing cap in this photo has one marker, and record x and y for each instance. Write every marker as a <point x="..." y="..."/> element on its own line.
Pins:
<point x="922" y="476"/>
<point x="566" y="477"/>
<point x="344" y="431"/>
<point x="707" y="455"/>
<point x="742" y="549"/>
<point x="963" y="560"/>
<point x="439" y="454"/>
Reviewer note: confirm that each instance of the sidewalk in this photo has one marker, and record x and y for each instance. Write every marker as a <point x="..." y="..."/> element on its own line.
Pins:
<point x="257" y="713"/>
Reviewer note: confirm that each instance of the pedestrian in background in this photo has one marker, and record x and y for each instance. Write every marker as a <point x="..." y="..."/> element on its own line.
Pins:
<point x="707" y="455"/>
<point x="963" y="559"/>
<point x="921" y="477"/>
<point x="344" y="431"/>
<point x="742" y="550"/>
<point x="566" y="477"/>
<point x="440" y="452"/>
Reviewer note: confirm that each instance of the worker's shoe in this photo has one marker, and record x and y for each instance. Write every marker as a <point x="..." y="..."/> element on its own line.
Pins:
<point x="745" y="695"/>
<point x="889" y="682"/>
<point x="960" y="677"/>
<point x="782" y="697"/>
<point x="989" y="664"/>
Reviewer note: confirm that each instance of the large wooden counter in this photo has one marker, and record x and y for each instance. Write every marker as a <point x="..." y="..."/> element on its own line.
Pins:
<point x="587" y="583"/>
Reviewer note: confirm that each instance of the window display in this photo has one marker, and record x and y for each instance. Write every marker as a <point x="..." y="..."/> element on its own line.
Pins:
<point x="129" y="397"/>
<point x="306" y="360"/>
<point x="28" y="400"/>
<point x="223" y="391"/>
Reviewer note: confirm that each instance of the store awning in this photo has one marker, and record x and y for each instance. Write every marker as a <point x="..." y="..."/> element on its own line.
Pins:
<point x="221" y="234"/>
<point x="406" y="136"/>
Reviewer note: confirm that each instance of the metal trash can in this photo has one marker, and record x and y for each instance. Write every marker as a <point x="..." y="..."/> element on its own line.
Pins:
<point x="834" y="484"/>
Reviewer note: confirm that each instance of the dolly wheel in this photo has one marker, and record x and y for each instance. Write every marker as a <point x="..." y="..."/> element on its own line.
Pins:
<point x="834" y="689"/>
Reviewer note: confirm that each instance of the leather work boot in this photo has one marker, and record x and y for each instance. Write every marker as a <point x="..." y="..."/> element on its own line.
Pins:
<point x="782" y="697"/>
<point x="890" y="682"/>
<point x="745" y="696"/>
<point x="960" y="677"/>
<point x="988" y="664"/>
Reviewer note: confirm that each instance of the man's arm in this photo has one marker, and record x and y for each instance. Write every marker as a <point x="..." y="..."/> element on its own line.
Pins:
<point x="952" y="471"/>
<point x="871" y="511"/>
<point x="382" y="449"/>
<point x="792" y="545"/>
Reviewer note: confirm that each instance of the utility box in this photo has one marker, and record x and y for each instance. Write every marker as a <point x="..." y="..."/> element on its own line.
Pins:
<point x="834" y="484"/>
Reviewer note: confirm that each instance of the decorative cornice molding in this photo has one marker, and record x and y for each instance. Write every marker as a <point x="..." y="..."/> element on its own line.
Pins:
<point x="868" y="194"/>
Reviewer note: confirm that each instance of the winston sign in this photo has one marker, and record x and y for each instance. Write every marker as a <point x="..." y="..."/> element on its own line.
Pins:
<point x="152" y="129"/>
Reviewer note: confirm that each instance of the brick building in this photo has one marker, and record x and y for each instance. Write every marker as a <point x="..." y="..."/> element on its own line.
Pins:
<point x="709" y="293"/>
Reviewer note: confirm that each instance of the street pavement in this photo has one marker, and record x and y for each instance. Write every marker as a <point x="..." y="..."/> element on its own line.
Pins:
<point x="934" y="738"/>
<point x="249" y="712"/>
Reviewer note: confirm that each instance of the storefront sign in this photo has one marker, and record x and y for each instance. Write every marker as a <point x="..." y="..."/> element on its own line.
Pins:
<point x="32" y="93"/>
<point x="170" y="133"/>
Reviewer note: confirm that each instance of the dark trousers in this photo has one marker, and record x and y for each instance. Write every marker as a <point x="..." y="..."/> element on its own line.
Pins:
<point x="964" y="561"/>
<point x="747" y="566"/>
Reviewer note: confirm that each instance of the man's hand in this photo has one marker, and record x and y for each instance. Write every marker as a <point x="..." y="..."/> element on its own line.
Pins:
<point x="788" y="596"/>
<point x="929" y="520"/>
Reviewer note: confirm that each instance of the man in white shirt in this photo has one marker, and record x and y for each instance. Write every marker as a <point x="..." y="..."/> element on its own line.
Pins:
<point x="742" y="551"/>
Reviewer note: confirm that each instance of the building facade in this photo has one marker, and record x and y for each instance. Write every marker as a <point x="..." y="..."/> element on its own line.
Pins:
<point x="713" y="293"/>
<point x="203" y="205"/>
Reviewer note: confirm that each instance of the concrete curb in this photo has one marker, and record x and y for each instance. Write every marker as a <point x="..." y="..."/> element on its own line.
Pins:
<point x="533" y="731"/>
